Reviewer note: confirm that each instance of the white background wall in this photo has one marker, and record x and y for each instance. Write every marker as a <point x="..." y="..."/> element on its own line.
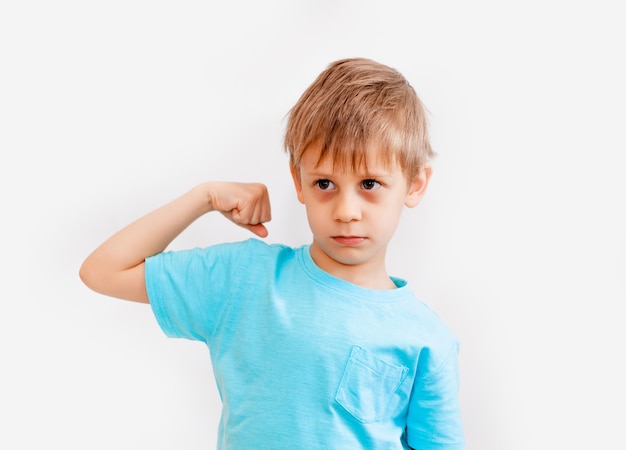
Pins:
<point x="110" y="109"/>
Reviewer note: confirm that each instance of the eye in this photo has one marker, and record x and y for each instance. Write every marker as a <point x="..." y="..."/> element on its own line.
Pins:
<point x="324" y="184"/>
<point x="370" y="184"/>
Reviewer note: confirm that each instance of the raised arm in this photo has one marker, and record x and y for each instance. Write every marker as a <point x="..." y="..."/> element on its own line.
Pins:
<point x="116" y="267"/>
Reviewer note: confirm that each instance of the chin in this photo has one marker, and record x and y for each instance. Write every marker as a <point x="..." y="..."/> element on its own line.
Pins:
<point x="350" y="257"/>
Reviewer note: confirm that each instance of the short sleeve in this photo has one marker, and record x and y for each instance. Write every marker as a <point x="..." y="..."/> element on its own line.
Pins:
<point x="434" y="418"/>
<point x="188" y="289"/>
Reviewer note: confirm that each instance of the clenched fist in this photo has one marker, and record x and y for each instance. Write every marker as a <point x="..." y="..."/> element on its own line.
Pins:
<point x="245" y="204"/>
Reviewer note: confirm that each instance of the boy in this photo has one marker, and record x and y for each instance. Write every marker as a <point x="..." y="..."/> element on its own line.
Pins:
<point x="315" y="347"/>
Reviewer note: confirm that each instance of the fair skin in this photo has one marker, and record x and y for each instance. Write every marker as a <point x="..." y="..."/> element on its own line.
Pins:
<point x="352" y="216"/>
<point x="116" y="267"/>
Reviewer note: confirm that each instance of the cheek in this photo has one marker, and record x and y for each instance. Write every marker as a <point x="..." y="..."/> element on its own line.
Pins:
<point x="317" y="220"/>
<point x="314" y="210"/>
<point x="389" y="217"/>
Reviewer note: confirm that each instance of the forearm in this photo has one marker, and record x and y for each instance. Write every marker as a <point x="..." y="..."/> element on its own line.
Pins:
<point x="115" y="268"/>
<point x="152" y="233"/>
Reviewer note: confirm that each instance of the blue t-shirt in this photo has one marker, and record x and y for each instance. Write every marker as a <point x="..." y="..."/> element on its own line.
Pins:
<point x="305" y="360"/>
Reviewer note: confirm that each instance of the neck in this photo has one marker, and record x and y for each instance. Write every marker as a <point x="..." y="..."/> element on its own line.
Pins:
<point x="370" y="275"/>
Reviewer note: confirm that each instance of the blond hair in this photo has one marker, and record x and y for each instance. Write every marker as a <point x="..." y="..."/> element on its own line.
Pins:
<point x="353" y="104"/>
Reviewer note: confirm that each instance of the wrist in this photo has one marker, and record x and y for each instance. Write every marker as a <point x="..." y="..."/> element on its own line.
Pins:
<point x="202" y="196"/>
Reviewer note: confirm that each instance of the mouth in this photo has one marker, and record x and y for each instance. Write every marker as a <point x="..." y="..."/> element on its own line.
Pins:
<point x="349" y="240"/>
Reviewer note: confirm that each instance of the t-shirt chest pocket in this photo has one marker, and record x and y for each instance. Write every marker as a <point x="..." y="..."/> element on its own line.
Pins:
<point x="368" y="385"/>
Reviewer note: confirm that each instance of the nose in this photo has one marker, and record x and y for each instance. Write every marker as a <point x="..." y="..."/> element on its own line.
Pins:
<point x="347" y="207"/>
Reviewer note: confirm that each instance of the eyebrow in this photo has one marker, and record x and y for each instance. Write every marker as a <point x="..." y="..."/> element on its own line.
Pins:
<point x="364" y="175"/>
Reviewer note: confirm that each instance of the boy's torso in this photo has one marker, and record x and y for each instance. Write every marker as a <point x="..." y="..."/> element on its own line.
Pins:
<point x="300" y="356"/>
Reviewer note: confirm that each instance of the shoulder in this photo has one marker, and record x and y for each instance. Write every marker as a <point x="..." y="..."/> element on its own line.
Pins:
<point x="247" y="249"/>
<point x="440" y="343"/>
<point x="263" y="247"/>
<point x="246" y="258"/>
<point x="254" y="251"/>
<point x="432" y="323"/>
<point x="426" y="329"/>
<point x="249" y="256"/>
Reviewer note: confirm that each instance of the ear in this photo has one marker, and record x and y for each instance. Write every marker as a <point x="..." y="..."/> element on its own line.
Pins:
<point x="417" y="187"/>
<point x="297" y="182"/>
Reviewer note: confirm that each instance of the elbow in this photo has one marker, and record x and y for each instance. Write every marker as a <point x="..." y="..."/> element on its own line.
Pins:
<point x="86" y="274"/>
<point x="91" y="275"/>
<point x="126" y="284"/>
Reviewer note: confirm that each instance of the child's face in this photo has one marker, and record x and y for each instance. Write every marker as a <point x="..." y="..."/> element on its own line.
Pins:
<point x="354" y="214"/>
